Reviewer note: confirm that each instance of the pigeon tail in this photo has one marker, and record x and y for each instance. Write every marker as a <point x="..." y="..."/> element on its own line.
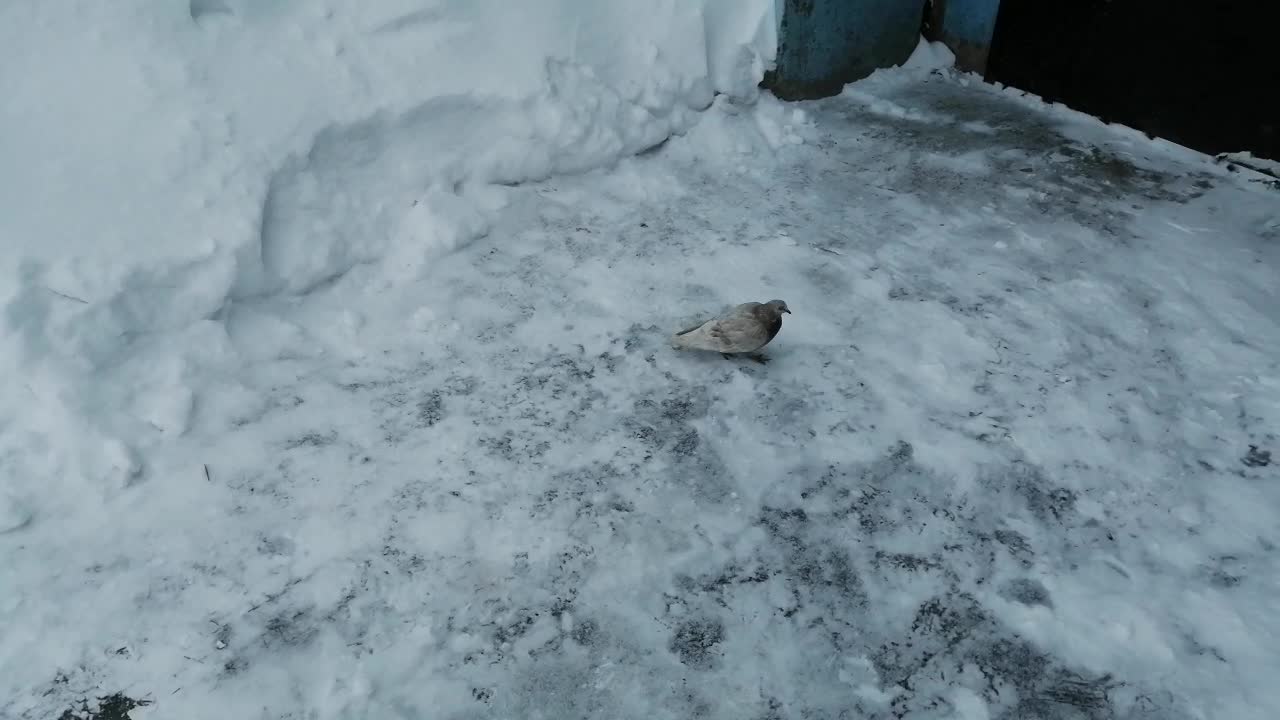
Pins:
<point x="686" y="339"/>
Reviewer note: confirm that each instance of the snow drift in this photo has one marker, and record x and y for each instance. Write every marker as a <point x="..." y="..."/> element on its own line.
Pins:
<point x="164" y="160"/>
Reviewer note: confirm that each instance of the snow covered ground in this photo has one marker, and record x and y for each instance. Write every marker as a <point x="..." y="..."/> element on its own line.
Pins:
<point x="1011" y="457"/>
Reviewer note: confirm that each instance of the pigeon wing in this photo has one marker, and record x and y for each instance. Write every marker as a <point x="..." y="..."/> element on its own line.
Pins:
<point x="738" y="333"/>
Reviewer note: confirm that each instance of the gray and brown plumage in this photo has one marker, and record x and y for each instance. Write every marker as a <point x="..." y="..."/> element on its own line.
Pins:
<point x="745" y="329"/>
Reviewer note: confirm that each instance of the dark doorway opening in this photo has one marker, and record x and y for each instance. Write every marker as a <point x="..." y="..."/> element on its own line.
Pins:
<point x="1202" y="74"/>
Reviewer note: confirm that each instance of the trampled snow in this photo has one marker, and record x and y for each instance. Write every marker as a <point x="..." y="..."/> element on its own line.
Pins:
<point x="370" y="413"/>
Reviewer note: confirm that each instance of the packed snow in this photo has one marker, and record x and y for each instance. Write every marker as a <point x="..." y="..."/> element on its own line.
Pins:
<point x="342" y="386"/>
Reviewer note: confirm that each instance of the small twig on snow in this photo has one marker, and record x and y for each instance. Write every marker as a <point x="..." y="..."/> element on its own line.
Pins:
<point x="82" y="301"/>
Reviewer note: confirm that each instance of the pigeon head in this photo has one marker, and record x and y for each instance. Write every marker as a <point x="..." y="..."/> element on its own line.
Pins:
<point x="779" y="306"/>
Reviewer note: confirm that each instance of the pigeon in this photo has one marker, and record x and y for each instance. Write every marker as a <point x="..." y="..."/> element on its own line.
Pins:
<point x="745" y="329"/>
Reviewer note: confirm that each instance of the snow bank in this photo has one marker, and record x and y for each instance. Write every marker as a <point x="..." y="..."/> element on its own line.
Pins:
<point x="164" y="160"/>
